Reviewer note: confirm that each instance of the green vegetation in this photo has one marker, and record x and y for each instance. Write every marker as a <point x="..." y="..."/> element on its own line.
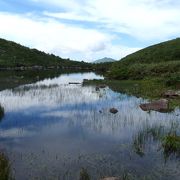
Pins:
<point x="161" y="60"/>
<point x="150" y="72"/>
<point x="168" y="138"/>
<point x="171" y="144"/>
<point x="148" y="88"/>
<point x="140" y="140"/>
<point x="165" y="70"/>
<point x="147" y="73"/>
<point x="15" y="55"/>
<point x="102" y="67"/>
<point x="4" y="167"/>
<point x="162" y="52"/>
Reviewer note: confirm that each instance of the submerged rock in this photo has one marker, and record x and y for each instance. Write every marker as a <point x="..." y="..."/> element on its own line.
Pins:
<point x="97" y="88"/>
<point x="101" y="86"/>
<point x="113" y="110"/>
<point x="159" y="105"/>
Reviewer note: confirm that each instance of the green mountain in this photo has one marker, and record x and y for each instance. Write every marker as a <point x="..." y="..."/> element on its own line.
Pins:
<point x="157" y="61"/>
<point x="104" y="60"/>
<point x="13" y="55"/>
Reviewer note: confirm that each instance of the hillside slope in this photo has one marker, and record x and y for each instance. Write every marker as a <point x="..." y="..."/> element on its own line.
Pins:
<point x="165" y="51"/>
<point x="15" y="55"/>
<point x="158" y="61"/>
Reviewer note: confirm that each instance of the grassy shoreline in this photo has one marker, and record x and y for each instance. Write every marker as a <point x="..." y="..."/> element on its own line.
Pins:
<point x="151" y="89"/>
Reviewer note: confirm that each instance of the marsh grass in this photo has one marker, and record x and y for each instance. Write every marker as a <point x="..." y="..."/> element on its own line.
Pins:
<point x="168" y="139"/>
<point x="147" y="134"/>
<point x="151" y="89"/>
<point x="171" y="144"/>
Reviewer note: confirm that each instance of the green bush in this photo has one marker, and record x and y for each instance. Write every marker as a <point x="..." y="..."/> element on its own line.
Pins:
<point x="161" y="60"/>
<point x="141" y="71"/>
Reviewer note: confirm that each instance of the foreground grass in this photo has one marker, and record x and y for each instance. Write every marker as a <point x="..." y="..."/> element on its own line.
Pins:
<point x="151" y="89"/>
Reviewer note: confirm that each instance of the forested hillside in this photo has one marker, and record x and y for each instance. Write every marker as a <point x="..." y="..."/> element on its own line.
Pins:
<point x="15" y="55"/>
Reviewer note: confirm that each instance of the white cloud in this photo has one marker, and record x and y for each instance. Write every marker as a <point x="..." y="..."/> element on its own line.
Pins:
<point x="70" y="16"/>
<point x="141" y="19"/>
<point x="144" y="20"/>
<point x="61" y="39"/>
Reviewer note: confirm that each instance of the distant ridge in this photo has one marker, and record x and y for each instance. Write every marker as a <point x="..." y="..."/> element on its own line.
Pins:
<point x="104" y="60"/>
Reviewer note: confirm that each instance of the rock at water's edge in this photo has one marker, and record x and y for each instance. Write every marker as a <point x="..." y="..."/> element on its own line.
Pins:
<point x="159" y="105"/>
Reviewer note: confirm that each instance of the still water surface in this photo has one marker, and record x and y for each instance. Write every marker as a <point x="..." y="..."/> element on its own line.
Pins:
<point x="52" y="129"/>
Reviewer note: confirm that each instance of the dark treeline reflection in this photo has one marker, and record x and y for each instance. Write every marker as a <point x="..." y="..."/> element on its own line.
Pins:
<point x="11" y="79"/>
<point x="1" y="112"/>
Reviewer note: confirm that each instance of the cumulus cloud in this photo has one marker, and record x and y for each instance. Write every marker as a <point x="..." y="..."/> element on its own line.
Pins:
<point x="54" y="37"/>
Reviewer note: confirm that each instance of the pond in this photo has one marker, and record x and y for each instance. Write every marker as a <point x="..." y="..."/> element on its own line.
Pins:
<point x="52" y="129"/>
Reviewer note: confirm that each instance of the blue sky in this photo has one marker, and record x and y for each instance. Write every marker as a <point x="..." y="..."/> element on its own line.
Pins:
<point x="89" y="29"/>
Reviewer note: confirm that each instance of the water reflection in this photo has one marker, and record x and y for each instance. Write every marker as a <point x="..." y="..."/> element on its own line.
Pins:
<point x="73" y="77"/>
<point x="1" y="112"/>
<point x="53" y="129"/>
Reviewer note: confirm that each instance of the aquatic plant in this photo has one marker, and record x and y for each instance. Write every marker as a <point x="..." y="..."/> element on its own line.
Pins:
<point x="4" y="167"/>
<point x="171" y="144"/>
<point x="84" y="175"/>
<point x="140" y="140"/>
<point x="168" y="139"/>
